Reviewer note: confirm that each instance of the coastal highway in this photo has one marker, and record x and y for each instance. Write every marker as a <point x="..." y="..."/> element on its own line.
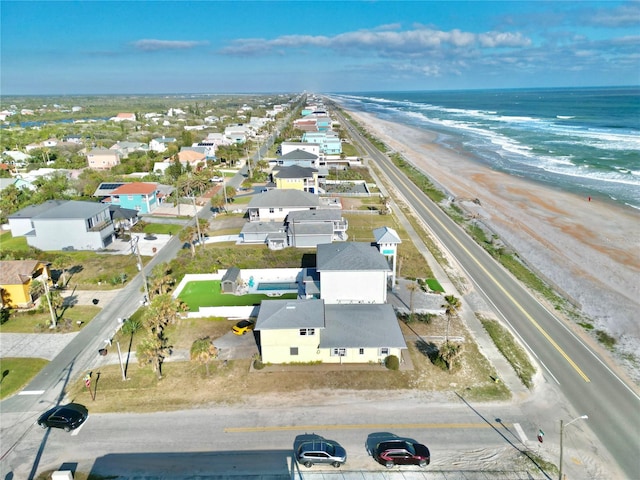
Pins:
<point x="588" y="384"/>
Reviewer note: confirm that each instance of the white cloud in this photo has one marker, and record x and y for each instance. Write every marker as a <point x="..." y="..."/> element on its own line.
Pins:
<point x="154" y="45"/>
<point x="384" y="40"/>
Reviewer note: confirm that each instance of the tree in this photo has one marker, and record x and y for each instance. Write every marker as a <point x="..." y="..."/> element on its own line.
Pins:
<point x="160" y="279"/>
<point x="187" y="235"/>
<point x="412" y="287"/>
<point x="152" y="351"/>
<point x="162" y="312"/>
<point x="449" y="353"/>
<point x="203" y="351"/>
<point x="452" y="306"/>
<point x="218" y="203"/>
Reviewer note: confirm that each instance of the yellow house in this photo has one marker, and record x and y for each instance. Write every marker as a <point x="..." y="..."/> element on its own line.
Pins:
<point x="306" y="331"/>
<point x="296" y="177"/>
<point x="16" y="277"/>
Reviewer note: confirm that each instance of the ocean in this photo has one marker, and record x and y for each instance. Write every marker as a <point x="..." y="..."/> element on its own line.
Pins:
<point x="583" y="140"/>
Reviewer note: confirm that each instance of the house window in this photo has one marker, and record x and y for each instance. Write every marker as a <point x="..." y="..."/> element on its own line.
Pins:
<point x="272" y="210"/>
<point x="384" y="351"/>
<point x="307" y="331"/>
<point x="338" y="352"/>
<point x="361" y="351"/>
<point x="293" y="351"/>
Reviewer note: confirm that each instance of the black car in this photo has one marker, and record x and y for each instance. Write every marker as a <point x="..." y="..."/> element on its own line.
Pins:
<point x="401" y="452"/>
<point x="67" y="417"/>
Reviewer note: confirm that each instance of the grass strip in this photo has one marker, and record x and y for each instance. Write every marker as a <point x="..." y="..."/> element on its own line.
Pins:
<point x="511" y="350"/>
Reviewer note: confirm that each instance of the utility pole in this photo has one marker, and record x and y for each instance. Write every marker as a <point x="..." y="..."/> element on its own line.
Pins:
<point x="141" y="268"/>
<point x="195" y="217"/>
<point x="47" y="294"/>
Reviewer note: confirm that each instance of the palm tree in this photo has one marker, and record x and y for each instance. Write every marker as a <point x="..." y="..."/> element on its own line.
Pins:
<point x="452" y="307"/>
<point x="162" y="312"/>
<point x="203" y="351"/>
<point x="412" y="287"/>
<point x="160" y="278"/>
<point x="187" y="235"/>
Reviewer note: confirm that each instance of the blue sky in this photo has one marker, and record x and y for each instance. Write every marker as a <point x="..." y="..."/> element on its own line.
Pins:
<point x="114" y="47"/>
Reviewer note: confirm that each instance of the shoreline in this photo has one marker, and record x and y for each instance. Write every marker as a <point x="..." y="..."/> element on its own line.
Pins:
<point x="588" y="248"/>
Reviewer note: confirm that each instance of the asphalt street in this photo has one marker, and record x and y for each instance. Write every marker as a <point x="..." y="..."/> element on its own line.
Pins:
<point x="566" y="359"/>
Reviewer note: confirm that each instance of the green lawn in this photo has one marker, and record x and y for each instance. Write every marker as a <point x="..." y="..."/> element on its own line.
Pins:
<point x="17" y="372"/>
<point x="207" y="293"/>
<point x="38" y="322"/>
<point x="17" y="244"/>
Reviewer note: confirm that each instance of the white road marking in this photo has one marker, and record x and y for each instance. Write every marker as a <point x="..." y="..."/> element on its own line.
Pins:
<point x="521" y="434"/>
<point x="31" y="392"/>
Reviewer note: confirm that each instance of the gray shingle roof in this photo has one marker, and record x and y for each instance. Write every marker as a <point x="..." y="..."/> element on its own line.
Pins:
<point x="288" y="314"/>
<point x="350" y="256"/>
<point x="366" y="326"/>
<point x="322" y="215"/>
<point x="298" y="155"/>
<point x="386" y="235"/>
<point x="74" y="209"/>
<point x="34" y="210"/>
<point x="284" y="198"/>
<point x="295" y="171"/>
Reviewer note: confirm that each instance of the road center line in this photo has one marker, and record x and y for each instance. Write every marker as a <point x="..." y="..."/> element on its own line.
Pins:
<point x="366" y="426"/>
<point x="495" y="281"/>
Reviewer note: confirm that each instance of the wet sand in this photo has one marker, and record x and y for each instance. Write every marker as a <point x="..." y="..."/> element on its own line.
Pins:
<point x="589" y="248"/>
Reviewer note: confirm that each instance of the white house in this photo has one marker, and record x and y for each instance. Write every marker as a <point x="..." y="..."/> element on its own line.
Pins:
<point x="160" y="144"/>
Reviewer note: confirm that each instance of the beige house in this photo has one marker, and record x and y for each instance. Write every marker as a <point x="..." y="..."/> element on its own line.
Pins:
<point x="103" y="158"/>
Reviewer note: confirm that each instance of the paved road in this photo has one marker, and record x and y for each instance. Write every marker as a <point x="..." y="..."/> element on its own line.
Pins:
<point x="585" y="379"/>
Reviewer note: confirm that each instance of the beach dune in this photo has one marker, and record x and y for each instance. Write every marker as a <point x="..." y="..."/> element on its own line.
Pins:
<point x="587" y="247"/>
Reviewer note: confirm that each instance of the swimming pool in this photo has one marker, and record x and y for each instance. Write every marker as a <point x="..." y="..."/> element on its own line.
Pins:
<point x="262" y="286"/>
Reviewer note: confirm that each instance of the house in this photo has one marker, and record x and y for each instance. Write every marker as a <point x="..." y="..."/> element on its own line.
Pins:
<point x="191" y="156"/>
<point x="275" y="205"/>
<point x="102" y="158"/>
<point x="18" y="158"/>
<point x="64" y="225"/>
<point x="139" y="196"/>
<point x="329" y="143"/>
<point x="298" y="157"/>
<point x="272" y="233"/>
<point x="305" y="331"/>
<point x="160" y="144"/>
<point x="310" y="228"/>
<point x="125" y="148"/>
<point x="124" y="117"/>
<point x="296" y="177"/>
<point x="352" y="272"/>
<point x="309" y="147"/>
<point x="238" y="133"/>
<point x="16" y="277"/>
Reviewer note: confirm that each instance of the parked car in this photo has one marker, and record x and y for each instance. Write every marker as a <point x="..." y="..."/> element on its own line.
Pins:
<point x="401" y="452"/>
<point x="216" y="179"/>
<point x="242" y="327"/>
<point x="321" y="451"/>
<point x="67" y="417"/>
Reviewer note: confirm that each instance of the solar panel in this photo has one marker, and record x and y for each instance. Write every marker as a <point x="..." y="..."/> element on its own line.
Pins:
<point x="109" y="186"/>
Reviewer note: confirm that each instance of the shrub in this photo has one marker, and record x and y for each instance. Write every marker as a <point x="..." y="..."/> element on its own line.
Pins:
<point x="257" y="363"/>
<point x="392" y="362"/>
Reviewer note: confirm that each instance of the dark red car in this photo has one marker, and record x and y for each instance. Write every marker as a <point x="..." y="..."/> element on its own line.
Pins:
<point x="401" y="452"/>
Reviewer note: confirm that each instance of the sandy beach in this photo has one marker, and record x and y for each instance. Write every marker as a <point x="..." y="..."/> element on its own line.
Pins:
<point x="589" y="248"/>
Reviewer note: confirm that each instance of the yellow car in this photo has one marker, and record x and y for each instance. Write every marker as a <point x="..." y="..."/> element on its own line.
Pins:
<point x="242" y="327"/>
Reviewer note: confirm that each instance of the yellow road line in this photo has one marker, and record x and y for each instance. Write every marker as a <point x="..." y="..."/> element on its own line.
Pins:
<point x="366" y="426"/>
<point x="499" y="285"/>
